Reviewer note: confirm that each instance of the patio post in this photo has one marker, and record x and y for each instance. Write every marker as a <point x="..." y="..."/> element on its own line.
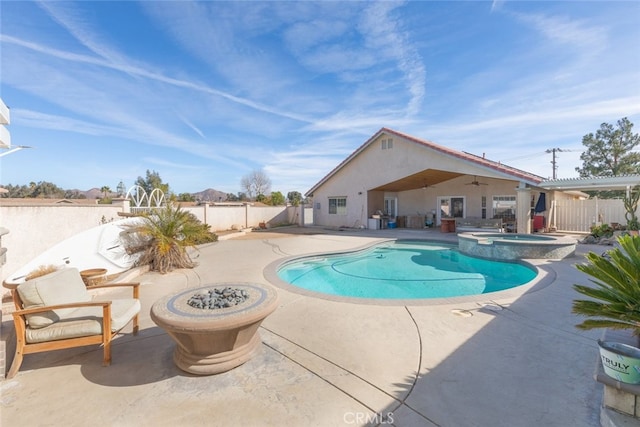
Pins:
<point x="523" y="209"/>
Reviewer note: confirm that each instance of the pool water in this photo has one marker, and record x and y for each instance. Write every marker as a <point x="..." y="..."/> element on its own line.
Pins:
<point x="404" y="270"/>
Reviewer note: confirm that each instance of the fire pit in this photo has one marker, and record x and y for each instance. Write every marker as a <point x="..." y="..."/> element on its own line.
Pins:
<point x="215" y="326"/>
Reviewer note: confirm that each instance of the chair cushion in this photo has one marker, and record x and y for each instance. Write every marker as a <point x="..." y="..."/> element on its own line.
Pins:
<point x="60" y="287"/>
<point x="85" y="321"/>
<point x="61" y="330"/>
<point x="122" y="311"/>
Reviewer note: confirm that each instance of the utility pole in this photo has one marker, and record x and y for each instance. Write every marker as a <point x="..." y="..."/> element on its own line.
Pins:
<point x="553" y="162"/>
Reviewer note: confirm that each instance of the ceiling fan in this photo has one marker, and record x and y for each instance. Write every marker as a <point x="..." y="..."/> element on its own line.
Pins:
<point x="476" y="182"/>
<point x="425" y="186"/>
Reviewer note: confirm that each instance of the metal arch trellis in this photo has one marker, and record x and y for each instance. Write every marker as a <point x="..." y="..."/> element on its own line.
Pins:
<point x="143" y="202"/>
<point x="138" y="196"/>
<point x="156" y="199"/>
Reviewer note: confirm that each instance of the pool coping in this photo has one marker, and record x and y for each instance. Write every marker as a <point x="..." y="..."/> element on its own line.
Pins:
<point x="544" y="278"/>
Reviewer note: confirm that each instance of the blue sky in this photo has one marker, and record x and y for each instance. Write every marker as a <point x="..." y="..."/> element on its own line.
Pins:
<point x="206" y="92"/>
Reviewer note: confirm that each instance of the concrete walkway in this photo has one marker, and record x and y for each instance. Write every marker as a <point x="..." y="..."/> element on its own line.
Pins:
<point x="514" y="361"/>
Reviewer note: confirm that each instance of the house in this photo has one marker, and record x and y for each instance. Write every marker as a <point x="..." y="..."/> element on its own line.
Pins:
<point x="410" y="182"/>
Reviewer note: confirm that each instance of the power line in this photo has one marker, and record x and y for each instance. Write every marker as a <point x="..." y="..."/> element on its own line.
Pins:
<point x="525" y="156"/>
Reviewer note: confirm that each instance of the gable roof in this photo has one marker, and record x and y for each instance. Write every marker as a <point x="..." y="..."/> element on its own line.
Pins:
<point x="508" y="171"/>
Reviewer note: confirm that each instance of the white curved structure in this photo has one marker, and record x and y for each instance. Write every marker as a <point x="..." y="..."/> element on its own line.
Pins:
<point x="143" y="202"/>
<point x="98" y="247"/>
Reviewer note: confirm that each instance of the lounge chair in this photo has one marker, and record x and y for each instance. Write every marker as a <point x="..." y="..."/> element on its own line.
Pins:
<point x="55" y="311"/>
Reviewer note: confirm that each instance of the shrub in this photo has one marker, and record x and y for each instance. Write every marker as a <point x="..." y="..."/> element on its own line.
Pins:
<point x="604" y="230"/>
<point x="615" y="301"/>
<point x="164" y="236"/>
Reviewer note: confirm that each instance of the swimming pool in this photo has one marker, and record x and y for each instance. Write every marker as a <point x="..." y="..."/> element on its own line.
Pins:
<point x="403" y="269"/>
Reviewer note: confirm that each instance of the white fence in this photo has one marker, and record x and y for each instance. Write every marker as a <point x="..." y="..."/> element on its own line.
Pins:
<point x="581" y="215"/>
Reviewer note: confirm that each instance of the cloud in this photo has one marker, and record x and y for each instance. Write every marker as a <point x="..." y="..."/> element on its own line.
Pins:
<point x="77" y="25"/>
<point x="384" y="36"/>
<point x="306" y="35"/>
<point x="379" y="30"/>
<point x="141" y="72"/>
<point x="190" y="125"/>
<point x="567" y="31"/>
<point x="497" y="5"/>
<point x="163" y="162"/>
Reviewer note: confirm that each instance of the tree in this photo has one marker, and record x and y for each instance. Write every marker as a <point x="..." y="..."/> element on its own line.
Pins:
<point x="186" y="197"/>
<point x="277" y="198"/>
<point x="609" y="151"/>
<point x="105" y="189"/>
<point x="121" y="189"/>
<point x="151" y="182"/>
<point x="43" y="190"/>
<point x="294" y="198"/>
<point x="74" y="194"/>
<point x="256" y="183"/>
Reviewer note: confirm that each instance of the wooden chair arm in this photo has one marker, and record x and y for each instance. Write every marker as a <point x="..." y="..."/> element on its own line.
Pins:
<point x="134" y="285"/>
<point x="33" y="310"/>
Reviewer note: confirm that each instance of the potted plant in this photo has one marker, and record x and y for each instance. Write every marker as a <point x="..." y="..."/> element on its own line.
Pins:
<point x="631" y="206"/>
<point x="615" y="304"/>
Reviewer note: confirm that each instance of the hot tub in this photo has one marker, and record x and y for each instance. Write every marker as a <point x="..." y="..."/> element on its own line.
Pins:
<point x="507" y="246"/>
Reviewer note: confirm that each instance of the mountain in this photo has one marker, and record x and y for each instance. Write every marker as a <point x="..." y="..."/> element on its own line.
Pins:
<point x="93" y="193"/>
<point x="210" y="195"/>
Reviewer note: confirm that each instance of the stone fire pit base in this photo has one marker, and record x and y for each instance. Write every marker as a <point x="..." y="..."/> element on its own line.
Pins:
<point x="211" y="341"/>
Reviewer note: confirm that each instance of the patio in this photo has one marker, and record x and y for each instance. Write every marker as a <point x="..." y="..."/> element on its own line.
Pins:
<point x="516" y="361"/>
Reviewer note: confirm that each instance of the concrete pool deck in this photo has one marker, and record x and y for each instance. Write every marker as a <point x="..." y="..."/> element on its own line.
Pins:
<point x="515" y="360"/>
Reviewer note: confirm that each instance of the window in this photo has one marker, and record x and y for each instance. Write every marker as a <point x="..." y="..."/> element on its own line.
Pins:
<point x="484" y="207"/>
<point x="387" y="144"/>
<point x="337" y="205"/>
<point x="504" y="207"/>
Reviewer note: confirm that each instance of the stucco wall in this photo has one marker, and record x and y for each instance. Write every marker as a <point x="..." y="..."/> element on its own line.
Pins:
<point x="231" y="217"/>
<point x="34" y="229"/>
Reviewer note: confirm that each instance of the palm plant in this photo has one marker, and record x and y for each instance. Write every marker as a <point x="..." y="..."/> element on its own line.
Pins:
<point x="163" y="237"/>
<point x="615" y="300"/>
